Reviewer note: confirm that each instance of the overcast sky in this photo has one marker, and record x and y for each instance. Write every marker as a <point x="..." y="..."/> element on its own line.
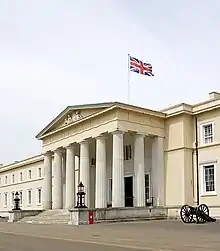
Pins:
<point x="55" y="53"/>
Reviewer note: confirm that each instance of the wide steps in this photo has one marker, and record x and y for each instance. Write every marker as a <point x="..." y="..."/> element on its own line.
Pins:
<point x="61" y="216"/>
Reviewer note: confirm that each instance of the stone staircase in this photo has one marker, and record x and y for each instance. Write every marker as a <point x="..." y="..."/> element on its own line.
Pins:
<point x="55" y="216"/>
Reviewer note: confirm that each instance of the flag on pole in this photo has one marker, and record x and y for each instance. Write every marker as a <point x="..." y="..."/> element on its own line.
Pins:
<point x="140" y="67"/>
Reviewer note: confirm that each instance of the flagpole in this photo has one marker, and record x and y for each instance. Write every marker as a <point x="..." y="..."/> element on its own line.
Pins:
<point x="128" y="78"/>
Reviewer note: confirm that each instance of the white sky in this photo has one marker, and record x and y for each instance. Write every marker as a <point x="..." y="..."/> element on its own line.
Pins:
<point x="55" y="53"/>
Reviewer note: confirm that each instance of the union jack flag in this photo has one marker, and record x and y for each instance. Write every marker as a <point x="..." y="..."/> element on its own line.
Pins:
<point x="140" y="67"/>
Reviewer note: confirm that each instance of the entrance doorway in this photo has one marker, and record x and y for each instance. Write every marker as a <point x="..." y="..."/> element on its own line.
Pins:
<point x="129" y="191"/>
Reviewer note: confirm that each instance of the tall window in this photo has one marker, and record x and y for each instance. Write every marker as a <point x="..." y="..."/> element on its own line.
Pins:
<point x="147" y="189"/>
<point x="29" y="174"/>
<point x="6" y="180"/>
<point x="29" y="197"/>
<point x="6" y="199"/>
<point x="13" y="178"/>
<point x="207" y="133"/>
<point x="127" y="152"/>
<point x="12" y="197"/>
<point x="21" y="176"/>
<point x="208" y="179"/>
<point x="21" y="197"/>
<point x="110" y="190"/>
<point x="39" y="195"/>
<point x="39" y="172"/>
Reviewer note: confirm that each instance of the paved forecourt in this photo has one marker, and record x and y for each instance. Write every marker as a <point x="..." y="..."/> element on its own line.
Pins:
<point x="150" y="235"/>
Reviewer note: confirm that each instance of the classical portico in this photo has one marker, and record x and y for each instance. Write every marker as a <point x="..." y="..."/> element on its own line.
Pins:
<point x="115" y="150"/>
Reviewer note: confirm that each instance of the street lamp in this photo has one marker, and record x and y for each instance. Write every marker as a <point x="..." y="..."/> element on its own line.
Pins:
<point x="81" y="196"/>
<point x="16" y="202"/>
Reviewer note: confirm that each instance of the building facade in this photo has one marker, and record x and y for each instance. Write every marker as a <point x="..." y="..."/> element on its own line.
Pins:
<point x="124" y="155"/>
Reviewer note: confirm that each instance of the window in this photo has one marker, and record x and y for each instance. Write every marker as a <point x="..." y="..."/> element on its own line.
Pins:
<point x="12" y="197"/>
<point x="0" y="181"/>
<point x="13" y="178"/>
<point x="208" y="179"/>
<point x="207" y="133"/>
<point x="6" y="199"/>
<point x="29" y="174"/>
<point x="6" y="180"/>
<point x="21" y="197"/>
<point x="29" y="197"/>
<point x="147" y="189"/>
<point x="127" y="152"/>
<point x="39" y="172"/>
<point x="110" y="190"/>
<point x="93" y="162"/>
<point x="21" y="176"/>
<point x="39" y="195"/>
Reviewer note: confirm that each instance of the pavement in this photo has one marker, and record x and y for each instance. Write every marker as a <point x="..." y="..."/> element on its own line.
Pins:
<point x="150" y="236"/>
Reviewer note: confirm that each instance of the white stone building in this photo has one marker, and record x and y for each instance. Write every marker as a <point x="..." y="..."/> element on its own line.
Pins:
<point x="124" y="155"/>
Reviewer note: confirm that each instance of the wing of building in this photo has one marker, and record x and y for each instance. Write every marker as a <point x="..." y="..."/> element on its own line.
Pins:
<point x="125" y="156"/>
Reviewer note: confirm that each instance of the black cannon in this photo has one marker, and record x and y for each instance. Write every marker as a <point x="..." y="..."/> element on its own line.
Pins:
<point x="198" y="214"/>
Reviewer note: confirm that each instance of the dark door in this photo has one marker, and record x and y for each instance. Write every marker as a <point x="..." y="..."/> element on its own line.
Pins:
<point x="129" y="191"/>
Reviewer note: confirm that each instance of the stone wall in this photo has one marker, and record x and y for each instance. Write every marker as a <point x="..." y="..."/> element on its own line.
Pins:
<point x="81" y="216"/>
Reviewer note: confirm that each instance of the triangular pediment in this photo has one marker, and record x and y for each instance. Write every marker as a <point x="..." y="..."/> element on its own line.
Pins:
<point x="73" y="114"/>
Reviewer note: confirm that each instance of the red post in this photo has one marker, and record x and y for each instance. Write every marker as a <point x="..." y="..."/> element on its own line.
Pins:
<point x="91" y="217"/>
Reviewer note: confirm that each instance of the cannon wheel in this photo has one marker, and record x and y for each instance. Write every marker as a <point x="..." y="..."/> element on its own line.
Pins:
<point x="186" y="214"/>
<point x="205" y="210"/>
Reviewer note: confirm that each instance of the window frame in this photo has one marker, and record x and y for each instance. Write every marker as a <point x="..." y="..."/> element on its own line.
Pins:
<point x="149" y="200"/>
<point x="39" y="172"/>
<point x="110" y="190"/>
<point x="29" y="174"/>
<point x="202" y="180"/>
<point x="29" y="202"/>
<point x="128" y="152"/>
<point x="12" y="197"/>
<point x="6" y="199"/>
<point x="21" y="196"/>
<point x="202" y="133"/>
<point x="37" y="202"/>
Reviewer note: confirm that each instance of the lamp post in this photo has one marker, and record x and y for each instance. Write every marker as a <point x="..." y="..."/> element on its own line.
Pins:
<point x="81" y="196"/>
<point x="16" y="202"/>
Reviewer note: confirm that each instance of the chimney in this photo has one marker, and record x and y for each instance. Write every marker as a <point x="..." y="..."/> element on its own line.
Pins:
<point x="1" y="165"/>
<point x="214" y="95"/>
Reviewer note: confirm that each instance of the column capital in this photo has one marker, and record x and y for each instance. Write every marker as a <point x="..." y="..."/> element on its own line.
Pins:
<point x="101" y="136"/>
<point x="48" y="153"/>
<point x="58" y="151"/>
<point x="71" y="146"/>
<point x="140" y="135"/>
<point x="85" y="141"/>
<point x="117" y="132"/>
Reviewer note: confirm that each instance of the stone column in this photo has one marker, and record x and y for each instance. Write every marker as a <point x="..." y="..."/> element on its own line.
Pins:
<point x="47" y="181"/>
<point x="157" y="172"/>
<point x="64" y="177"/>
<point x="70" y="177"/>
<point x="84" y="169"/>
<point x="139" y="170"/>
<point x="101" y="176"/>
<point x="58" y="191"/>
<point x="118" y="190"/>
